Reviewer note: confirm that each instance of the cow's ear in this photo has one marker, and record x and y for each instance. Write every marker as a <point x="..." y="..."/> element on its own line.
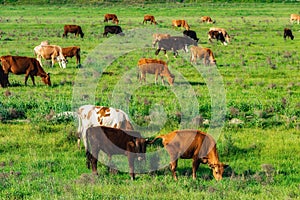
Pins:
<point x="225" y="166"/>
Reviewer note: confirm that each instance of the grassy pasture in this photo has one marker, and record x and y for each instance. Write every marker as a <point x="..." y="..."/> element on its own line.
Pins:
<point x="260" y="72"/>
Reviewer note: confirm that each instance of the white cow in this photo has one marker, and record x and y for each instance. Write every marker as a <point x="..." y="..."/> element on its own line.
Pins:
<point x="52" y="52"/>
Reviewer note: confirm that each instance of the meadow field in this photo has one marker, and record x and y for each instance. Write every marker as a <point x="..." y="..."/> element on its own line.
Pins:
<point x="249" y="101"/>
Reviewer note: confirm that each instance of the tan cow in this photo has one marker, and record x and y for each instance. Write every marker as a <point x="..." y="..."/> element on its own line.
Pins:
<point x="71" y="52"/>
<point x="295" y="17"/>
<point x="155" y="66"/>
<point x="158" y="36"/>
<point x="207" y="19"/>
<point x="150" y="18"/>
<point x="52" y="52"/>
<point x="192" y="144"/>
<point x="202" y="53"/>
<point x="112" y="17"/>
<point x="180" y="23"/>
<point x="224" y="32"/>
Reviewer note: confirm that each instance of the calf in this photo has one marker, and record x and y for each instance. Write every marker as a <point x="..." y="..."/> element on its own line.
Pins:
<point x="180" y="23"/>
<point x="288" y="33"/>
<point x="202" y="53"/>
<point x="73" y="29"/>
<point x="295" y="17"/>
<point x="114" y="141"/>
<point x="158" y="36"/>
<point x="112" y="17"/>
<point x="71" y="52"/>
<point x="192" y="144"/>
<point x="157" y="67"/>
<point x="191" y="34"/>
<point x="218" y="35"/>
<point x="224" y="32"/>
<point x="52" y="52"/>
<point x="22" y="65"/>
<point x="207" y="19"/>
<point x="112" y="30"/>
<point x="149" y="18"/>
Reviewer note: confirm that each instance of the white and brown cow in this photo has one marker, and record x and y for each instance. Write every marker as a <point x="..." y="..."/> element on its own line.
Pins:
<point x="50" y="52"/>
<point x="218" y="35"/>
<point x="224" y="32"/>
<point x="202" y="53"/>
<point x="295" y="17"/>
<point x="91" y="115"/>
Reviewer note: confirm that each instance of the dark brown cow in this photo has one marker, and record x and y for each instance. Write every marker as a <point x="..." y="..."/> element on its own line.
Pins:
<point x="288" y="33"/>
<point x="73" y="29"/>
<point x="207" y="19"/>
<point x="114" y="141"/>
<point x="180" y="23"/>
<point x="149" y="18"/>
<point x="192" y="144"/>
<point x="23" y="65"/>
<point x="71" y="52"/>
<point x="114" y="29"/>
<point x="202" y="53"/>
<point x="154" y="66"/>
<point x="112" y="17"/>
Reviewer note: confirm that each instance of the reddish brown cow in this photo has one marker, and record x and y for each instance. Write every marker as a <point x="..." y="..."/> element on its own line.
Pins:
<point x="157" y="67"/>
<point x="149" y="18"/>
<point x="207" y="19"/>
<point x="23" y="65"/>
<point x="73" y="29"/>
<point x="192" y="144"/>
<point x="71" y="52"/>
<point x="112" y="17"/>
<point x="202" y="53"/>
<point x="114" y="141"/>
<point x="180" y="23"/>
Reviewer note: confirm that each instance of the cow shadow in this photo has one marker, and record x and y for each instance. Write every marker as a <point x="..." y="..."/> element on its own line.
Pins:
<point x="193" y="83"/>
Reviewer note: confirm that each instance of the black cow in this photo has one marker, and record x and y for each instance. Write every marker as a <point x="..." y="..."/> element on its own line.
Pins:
<point x="288" y="33"/>
<point x="113" y="29"/>
<point x="191" y="34"/>
<point x="114" y="141"/>
<point x="218" y="35"/>
<point x="174" y="44"/>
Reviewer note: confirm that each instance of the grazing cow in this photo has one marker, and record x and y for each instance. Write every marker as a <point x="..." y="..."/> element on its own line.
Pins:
<point x="22" y="65"/>
<point x="52" y="52"/>
<point x="149" y="18"/>
<point x="295" y="17"/>
<point x="113" y="30"/>
<point x="73" y="29"/>
<point x="207" y="19"/>
<point x="174" y="44"/>
<point x="112" y="17"/>
<point x="114" y="141"/>
<point x="90" y="115"/>
<point x="158" y="36"/>
<point x="180" y="23"/>
<point x="218" y="35"/>
<point x="288" y="33"/>
<point x="191" y="34"/>
<point x="202" y="53"/>
<point x="71" y="52"/>
<point x="224" y="32"/>
<point x="192" y="144"/>
<point x="154" y="66"/>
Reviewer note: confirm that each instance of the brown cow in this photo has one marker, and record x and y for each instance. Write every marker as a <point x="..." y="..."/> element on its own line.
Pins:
<point x="218" y="35"/>
<point x="23" y="65"/>
<point x="207" y="19"/>
<point x="158" y="36"/>
<point x="114" y="141"/>
<point x="202" y="53"/>
<point x="295" y="17"/>
<point x="52" y="52"/>
<point x="224" y="32"/>
<point x="71" y="52"/>
<point x="73" y="29"/>
<point x="149" y="18"/>
<point x="112" y="17"/>
<point x="192" y="144"/>
<point x="157" y="67"/>
<point x="180" y="23"/>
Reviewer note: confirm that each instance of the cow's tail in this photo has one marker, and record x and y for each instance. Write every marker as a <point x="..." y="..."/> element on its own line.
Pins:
<point x="156" y="138"/>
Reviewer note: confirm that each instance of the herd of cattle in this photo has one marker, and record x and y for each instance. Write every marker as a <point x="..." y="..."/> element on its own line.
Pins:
<point x="109" y="129"/>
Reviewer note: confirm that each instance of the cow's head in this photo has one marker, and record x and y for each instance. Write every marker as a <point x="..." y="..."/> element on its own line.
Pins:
<point x="46" y="79"/>
<point x="218" y="170"/>
<point x="61" y="59"/>
<point x="171" y="79"/>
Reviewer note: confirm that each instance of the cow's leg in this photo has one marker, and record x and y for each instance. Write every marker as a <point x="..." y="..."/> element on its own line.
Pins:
<point x="173" y="166"/>
<point x="162" y="80"/>
<point x="32" y="79"/>
<point x="196" y="163"/>
<point x="157" y="51"/>
<point x="131" y="165"/>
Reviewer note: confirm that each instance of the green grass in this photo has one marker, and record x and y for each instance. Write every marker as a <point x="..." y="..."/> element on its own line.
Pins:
<point x="39" y="158"/>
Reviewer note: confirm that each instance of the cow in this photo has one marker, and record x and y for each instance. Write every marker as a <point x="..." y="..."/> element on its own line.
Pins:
<point x="180" y="23"/>
<point x="112" y="17"/>
<point x="202" y="53"/>
<point x="191" y="34"/>
<point x="224" y="32"/>
<point x="192" y="144"/>
<point x="114" y="141"/>
<point x="52" y="52"/>
<point x="91" y="115"/>
<point x="150" y="18"/>
<point x="71" y="28"/>
<point x="158" y="36"/>
<point x="295" y="17"/>
<point x="288" y="33"/>
<point x="218" y="35"/>
<point x="22" y="65"/>
<point x="207" y="19"/>
<point x="155" y="66"/>
<point x="112" y="30"/>
<point x="175" y="43"/>
<point x="71" y="52"/>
